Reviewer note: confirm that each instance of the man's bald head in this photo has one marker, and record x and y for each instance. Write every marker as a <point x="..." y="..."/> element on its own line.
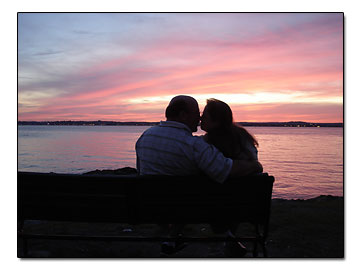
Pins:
<point x="178" y="104"/>
<point x="184" y="109"/>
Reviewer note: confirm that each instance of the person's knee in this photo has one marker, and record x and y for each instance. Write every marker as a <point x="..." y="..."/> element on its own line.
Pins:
<point x="218" y="228"/>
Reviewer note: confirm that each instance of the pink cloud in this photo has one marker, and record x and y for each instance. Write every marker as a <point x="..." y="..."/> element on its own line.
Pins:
<point x="305" y="58"/>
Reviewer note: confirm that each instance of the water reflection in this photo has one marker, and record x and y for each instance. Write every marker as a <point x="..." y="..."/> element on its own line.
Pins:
<point x="306" y="162"/>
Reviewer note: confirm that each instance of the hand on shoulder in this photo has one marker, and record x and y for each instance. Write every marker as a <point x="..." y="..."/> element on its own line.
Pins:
<point x="259" y="168"/>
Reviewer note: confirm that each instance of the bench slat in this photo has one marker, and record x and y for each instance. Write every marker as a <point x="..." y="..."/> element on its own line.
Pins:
<point x="143" y="199"/>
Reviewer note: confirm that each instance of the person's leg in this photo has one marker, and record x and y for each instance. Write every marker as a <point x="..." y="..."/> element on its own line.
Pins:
<point x="234" y="248"/>
<point x="171" y="247"/>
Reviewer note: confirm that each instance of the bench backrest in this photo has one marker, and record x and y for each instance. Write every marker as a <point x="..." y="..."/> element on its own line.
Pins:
<point x="143" y="199"/>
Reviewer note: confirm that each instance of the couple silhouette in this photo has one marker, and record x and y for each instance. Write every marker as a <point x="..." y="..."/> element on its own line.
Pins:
<point x="170" y="148"/>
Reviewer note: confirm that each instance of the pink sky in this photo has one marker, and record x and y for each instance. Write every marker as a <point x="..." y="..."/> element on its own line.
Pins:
<point x="127" y="67"/>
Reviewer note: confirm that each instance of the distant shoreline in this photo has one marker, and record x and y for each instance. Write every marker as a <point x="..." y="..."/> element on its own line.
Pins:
<point x="116" y="123"/>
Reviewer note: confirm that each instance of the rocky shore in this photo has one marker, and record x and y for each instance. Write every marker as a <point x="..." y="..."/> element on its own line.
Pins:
<point x="121" y="171"/>
<point x="312" y="228"/>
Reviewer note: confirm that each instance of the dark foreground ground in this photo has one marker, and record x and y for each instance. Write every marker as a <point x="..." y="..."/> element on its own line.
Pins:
<point x="311" y="228"/>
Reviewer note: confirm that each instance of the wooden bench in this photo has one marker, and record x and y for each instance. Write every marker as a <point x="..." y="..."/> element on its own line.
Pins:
<point x="143" y="199"/>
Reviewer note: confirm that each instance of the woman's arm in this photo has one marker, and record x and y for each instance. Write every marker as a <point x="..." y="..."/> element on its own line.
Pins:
<point x="243" y="168"/>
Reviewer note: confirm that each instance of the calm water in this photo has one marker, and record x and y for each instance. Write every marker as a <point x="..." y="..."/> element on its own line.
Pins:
<point x="306" y="162"/>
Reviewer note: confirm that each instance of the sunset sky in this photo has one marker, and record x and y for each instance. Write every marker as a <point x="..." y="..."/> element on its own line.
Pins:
<point x="127" y="66"/>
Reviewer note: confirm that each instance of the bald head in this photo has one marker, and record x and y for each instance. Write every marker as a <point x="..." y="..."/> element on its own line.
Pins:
<point x="184" y="109"/>
<point x="184" y="98"/>
<point x="178" y="104"/>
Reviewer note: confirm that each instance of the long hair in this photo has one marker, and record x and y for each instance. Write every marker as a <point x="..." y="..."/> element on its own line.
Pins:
<point x="228" y="137"/>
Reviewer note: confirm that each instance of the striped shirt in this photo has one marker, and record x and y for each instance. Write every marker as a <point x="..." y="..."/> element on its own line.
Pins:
<point x="171" y="149"/>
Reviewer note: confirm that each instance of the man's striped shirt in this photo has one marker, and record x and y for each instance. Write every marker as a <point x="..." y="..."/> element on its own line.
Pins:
<point x="171" y="149"/>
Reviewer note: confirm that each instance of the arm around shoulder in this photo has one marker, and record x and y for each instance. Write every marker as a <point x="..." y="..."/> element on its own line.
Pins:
<point x="244" y="168"/>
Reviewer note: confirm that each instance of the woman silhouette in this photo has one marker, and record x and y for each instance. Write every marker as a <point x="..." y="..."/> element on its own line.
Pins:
<point x="234" y="142"/>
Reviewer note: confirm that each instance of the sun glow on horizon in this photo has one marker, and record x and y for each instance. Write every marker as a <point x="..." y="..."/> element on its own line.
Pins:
<point x="243" y="98"/>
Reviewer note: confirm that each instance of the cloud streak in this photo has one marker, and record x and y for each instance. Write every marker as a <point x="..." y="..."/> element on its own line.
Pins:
<point x="129" y="68"/>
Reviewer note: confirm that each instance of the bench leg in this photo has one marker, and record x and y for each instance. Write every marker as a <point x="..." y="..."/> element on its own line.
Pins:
<point x="255" y="249"/>
<point x="259" y="239"/>
<point x="25" y="247"/>
<point x="24" y="240"/>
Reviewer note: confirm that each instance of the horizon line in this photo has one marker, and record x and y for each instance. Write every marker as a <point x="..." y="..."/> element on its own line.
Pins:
<point x="108" y="121"/>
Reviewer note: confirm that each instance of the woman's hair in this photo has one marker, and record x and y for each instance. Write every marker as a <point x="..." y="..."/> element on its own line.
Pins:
<point x="221" y="113"/>
<point x="228" y="137"/>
